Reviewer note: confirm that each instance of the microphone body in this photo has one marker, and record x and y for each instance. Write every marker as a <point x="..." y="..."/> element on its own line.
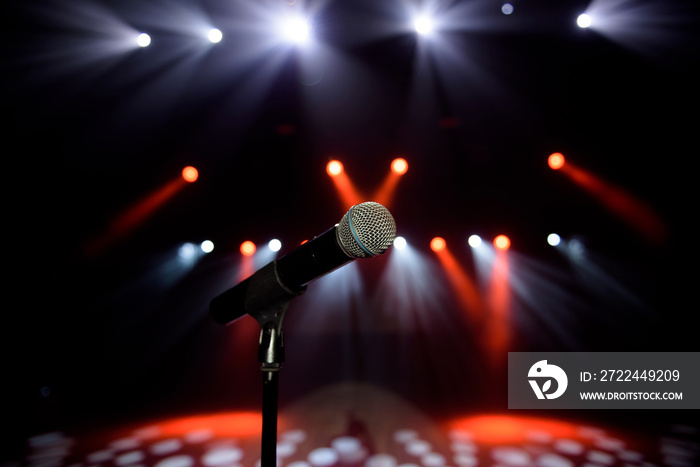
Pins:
<point x="367" y="229"/>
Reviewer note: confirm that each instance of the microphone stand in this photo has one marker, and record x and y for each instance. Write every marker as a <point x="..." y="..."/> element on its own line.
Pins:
<point x="271" y="357"/>
<point x="267" y="300"/>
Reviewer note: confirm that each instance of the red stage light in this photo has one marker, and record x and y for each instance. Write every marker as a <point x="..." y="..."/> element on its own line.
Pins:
<point x="438" y="244"/>
<point x="501" y="242"/>
<point x="190" y="174"/>
<point x="556" y="161"/>
<point x="399" y="166"/>
<point x="334" y="168"/>
<point x="248" y="248"/>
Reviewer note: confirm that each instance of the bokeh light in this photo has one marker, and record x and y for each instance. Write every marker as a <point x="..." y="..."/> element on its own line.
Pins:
<point x="248" y="248"/>
<point x="334" y="168"/>
<point x="556" y="161"/>
<point x="190" y="174"/>
<point x="438" y="244"/>
<point x="399" y="166"/>
<point x="501" y="242"/>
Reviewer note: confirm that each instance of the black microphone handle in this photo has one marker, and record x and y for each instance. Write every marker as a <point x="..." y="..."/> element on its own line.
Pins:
<point x="280" y="281"/>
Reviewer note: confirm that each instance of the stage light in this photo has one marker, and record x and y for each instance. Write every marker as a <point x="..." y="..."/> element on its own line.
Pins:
<point x="207" y="246"/>
<point x="400" y="243"/>
<point x="334" y="168"/>
<point x="297" y="30"/>
<point x="423" y="25"/>
<point x="215" y="36"/>
<point x="190" y="174"/>
<point x="553" y="239"/>
<point x="584" y="21"/>
<point x="399" y="166"/>
<point x="438" y="244"/>
<point x="501" y="242"/>
<point x="143" y="40"/>
<point x="556" y="161"/>
<point x="274" y="245"/>
<point x="507" y="9"/>
<point x="474" y="241"/>
<point x="248" y="248"/>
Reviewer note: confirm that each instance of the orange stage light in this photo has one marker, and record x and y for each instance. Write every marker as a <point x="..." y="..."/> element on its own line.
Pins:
<point x="556" y="161"/>
<point x="501" y="242"/>
<point x="334" y="168"/>
<point x="347" y="191"/>
<point x="190" y="174"/>
<point x="438" y="244"/>
<point x="399" y="166"/>
<point x="248" y="248"/>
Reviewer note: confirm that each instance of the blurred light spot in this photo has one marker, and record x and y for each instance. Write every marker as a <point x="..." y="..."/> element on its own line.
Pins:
<point x="248" y="248"/>
<point x="381" y="460"/>
<point x="166" y="446"/>
<point x="222" y="456"/>
<point x="176" y="461"/>
<point x="143" y="40"/>
<point x="584" y="21"/>
<point x="322" y="457"/>
<point x="399" y="166"/>
<point x="274" y="245"/>
<point x="474" y="241"/>
<point x="507" y="9"/>
<point x="215" y="36"/>
<point x="128" y="458"/>
<point x="556" y="161"/>
<point x="186" y="251"/>
<point x="576" y="247"/>
<point x="296" y="30"/>
<point x="423" y="25"/>
<point x="190" y="174"/>
<point x="418" y="447"/>
<point x="438" y="244"/>
<point x="334" y="168"/>
<point x="553" y="239"/>
<point x="501" y="242"/>
<point x="207" y="246"/>
<point x="400" y="243"/>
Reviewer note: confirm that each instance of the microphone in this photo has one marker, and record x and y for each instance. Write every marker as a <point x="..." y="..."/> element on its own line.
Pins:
<point x="366" y="230"/>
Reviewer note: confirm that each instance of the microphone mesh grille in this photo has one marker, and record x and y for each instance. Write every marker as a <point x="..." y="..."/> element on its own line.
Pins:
<point x="367" y="229"/>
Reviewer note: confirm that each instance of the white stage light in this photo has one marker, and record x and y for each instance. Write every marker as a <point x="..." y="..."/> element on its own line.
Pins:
<point x="297" y="30"/>
<point x="423" y="25"/>
<point x="553" y="239"/>
<point x="215" y="36"/>
<point x="143" y="40"/>
<point x="507" y="9"/>
<point x="274" y="245"/>
<point x="584" y="21"/>
<point x="207" y="246"/>
<point x="474" y="241"/>
<point x="400" y="243"/>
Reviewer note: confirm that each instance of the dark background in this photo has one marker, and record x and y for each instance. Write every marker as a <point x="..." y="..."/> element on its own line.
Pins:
<point x="105" y="337"/>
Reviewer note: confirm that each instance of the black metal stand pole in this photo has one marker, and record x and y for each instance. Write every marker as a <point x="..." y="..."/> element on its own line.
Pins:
<point x="271" y="356"/>
<point x="268" y="454"/>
